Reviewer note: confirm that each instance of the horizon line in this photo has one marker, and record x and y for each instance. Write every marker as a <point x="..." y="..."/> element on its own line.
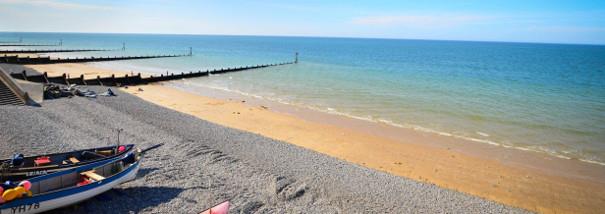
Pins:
<point x="310" y="36"/>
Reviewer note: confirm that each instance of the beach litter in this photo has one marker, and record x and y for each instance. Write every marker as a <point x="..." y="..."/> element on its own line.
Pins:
<point x="55" y="91"/>
<point x="108" y="93"/>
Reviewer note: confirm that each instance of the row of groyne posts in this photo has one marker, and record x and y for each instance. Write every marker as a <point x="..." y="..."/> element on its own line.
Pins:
<point x="20" y="43"/>
<point x="47" y="60"/>
<point x="15" y="59"/>
<point x="25" y="51"/>
<point x="5" y="52"/>
<point x="112" y="80"/>
<point x="17" y="41"/>
<point x="132" y="79"/>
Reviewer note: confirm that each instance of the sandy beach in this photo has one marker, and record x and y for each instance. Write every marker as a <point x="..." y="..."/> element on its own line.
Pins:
<point x="553" y="189"/>
<point x="529" y="180"/>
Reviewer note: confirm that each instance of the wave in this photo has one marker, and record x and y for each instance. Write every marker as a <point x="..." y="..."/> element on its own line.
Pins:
<point x="333" y="111"/>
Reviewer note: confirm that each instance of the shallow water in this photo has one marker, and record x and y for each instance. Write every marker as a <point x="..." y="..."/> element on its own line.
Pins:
<point x="541" y="97"/>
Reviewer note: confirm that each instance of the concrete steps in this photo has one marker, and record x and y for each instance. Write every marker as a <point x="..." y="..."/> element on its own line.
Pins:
<point x="8" y="97"/>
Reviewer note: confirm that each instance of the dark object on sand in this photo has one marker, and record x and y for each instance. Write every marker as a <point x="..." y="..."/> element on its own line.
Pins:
<point x="108" y="93"/>
<point x="17" y="160"/>
<point x="34" y="166"/>
<point x="54" y="91"/>
<point x="151" y="148"/>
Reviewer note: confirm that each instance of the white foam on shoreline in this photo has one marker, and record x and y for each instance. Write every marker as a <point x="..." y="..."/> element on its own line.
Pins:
<point x="482" y="134"/>
<point x="334" y="111"/>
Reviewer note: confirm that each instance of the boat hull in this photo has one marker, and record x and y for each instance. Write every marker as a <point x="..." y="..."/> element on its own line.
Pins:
<point x="23" y="173"/>
<point x="69" y="196"/>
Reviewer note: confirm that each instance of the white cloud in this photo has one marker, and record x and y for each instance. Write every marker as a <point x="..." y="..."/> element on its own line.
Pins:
<point x="419" y="20"/>
<point x="56" y="4"/>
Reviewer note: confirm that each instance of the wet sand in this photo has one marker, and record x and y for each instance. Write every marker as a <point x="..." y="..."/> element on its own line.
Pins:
<point x="529" y="180"/>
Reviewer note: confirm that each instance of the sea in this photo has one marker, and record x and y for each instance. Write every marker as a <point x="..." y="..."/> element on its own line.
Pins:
<point x="546" y="98"/>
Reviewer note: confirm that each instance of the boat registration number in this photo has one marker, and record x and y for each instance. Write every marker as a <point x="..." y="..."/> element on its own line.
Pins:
<point x="25" y="208"/>
<point x="36" y="173"/>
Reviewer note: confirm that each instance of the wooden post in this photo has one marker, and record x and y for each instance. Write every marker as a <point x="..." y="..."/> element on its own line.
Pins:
<point x="82" y="79"/>
<point x="24" y="73"/>
<point x="99" y="80"/>
<point x="65" y="79"/>
<point x="45" y="76"/>
<point x="127" y="79"/>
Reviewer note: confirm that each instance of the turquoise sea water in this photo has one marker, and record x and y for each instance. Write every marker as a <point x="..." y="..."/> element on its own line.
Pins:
<point x="541" y="97"/>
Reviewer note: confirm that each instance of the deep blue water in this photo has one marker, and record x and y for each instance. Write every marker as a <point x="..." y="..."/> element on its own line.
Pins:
<point x="542" y="97"/>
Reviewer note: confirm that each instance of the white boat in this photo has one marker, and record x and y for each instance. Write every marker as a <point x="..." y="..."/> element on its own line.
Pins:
<point x="74" y="185"/>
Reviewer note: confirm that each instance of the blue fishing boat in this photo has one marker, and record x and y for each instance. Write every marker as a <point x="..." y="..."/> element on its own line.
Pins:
<point x="59" y="189"/>
<point x="21" y="168"/>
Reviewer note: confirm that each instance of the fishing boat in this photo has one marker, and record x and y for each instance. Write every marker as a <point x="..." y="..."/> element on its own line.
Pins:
<point x="21" y="168"/>
<point x="59" y="189"/>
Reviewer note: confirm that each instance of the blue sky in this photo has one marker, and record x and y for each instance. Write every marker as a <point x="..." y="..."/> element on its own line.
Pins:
<point x="580" y="21"/>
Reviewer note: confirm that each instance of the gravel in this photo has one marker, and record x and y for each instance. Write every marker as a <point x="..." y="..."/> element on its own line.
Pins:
<point x="203" y="164"/>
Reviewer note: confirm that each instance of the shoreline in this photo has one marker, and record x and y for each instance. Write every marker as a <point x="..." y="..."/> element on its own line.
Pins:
<point x="316" y="115"/>
<point x="505" y="154"/>
<point x="203" y="163"/>
<point x="523" y="179"/>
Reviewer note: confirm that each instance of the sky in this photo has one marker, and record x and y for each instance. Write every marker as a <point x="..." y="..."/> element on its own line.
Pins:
<point x="554" y="21"/>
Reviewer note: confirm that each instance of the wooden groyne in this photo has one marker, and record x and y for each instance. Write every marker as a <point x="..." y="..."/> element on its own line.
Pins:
<point x="27" y="45"/>
<point x="48" y="60"/>
<point x="52" y="51"/>
<point x="18" y="41"/>
<point x="113" y="80"/>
